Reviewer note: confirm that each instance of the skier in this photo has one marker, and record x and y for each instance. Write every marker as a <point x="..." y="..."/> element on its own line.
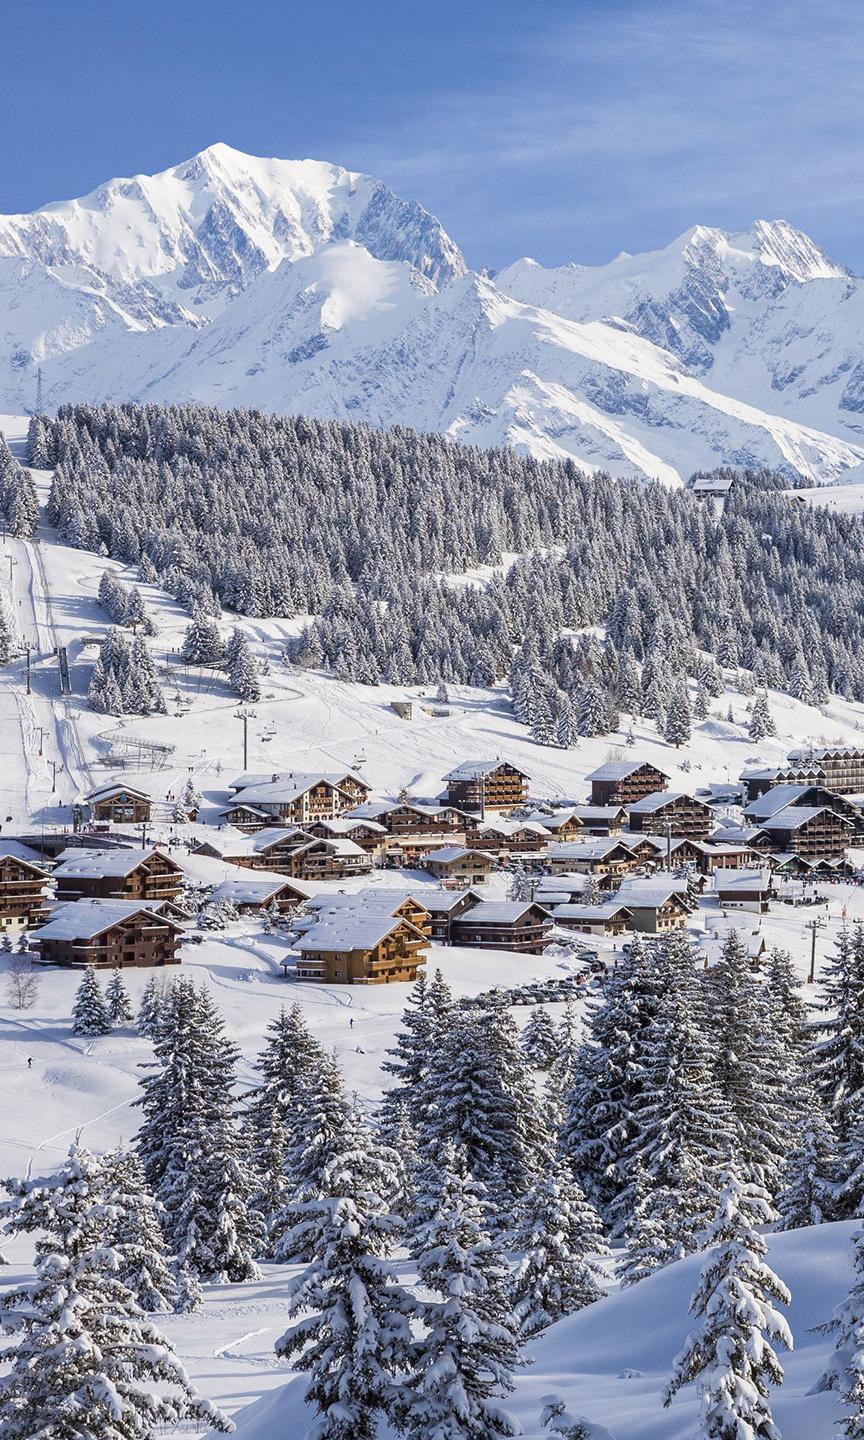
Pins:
<point x="29" y="1063"/>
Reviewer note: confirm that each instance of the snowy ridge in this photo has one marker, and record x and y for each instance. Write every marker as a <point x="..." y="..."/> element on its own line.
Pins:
<point x="301" y="286"/>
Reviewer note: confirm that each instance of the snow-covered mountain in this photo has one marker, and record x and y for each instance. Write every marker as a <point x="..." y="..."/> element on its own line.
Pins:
<point x="297" y="285"/>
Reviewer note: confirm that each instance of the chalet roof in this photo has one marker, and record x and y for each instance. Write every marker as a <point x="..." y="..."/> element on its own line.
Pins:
<point x="352" y="930"/>
<point x="273" y="834"/>
<point x="598" y="812"/>
<point x="252" y="778"/>
<point x="565" y="886"/>
<point x="370" y="808"/>
<point x="385" y="899"/>
<point x="282" y="792"/>
<point x="661" y="844"/>
<point x="650" y="892"/>
<point x="596" y="847"/>
<point x="256" y="889"/>
<point x="777" y="798"/>
<point x="794" y="816"/>
<point x="734" y="835"/>
<point x="344" y="824"/>
<point x="657" y="800"/>
<point x="805" y="753"/>
<point x="450" y="853"/>
<point x="713" y="484"/>
<point x="503" y="912"/>
<point x="549" y="822"/>
<point x="478" y="769"/>
<point x="250" y="809"/>
<point x="103" y="791"/>
<point x="96" y="863"/>
<point x="514" y="827"/>
<point x="761" y="772"/>
<point x="84" y="919"/>
<point x="709" y="847"/>
<point x="10" y="850"/>
<point x="606" y="911"/>
<point x="621" y="769"/>
<point x="746" y="880"/>
<point x="441" y="902"/>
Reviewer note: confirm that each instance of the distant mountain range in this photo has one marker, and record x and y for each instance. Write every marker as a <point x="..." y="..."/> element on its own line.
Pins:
<point x="299" y="286"/>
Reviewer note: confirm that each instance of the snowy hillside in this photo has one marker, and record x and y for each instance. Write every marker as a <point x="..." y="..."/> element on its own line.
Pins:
<point x="299" y="286"/>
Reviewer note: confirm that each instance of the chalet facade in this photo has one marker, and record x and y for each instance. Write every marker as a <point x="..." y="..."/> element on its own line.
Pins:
<point x="358" y="948"/>
<point x="487" y="785"/>
<point x="744" y="889"/>
<point x="657" y="905"/>
<point x="615" y="855"/>
<point x="561" y="825"/>
<point x="288" y="797"/>
<point x="808" y="831"/>
<point x="118" y="873"/>
<point x="401" y="818"/>
<point x="601" y="819"/>
<point x="838" y="768"/>
<point x="510" y="837"/>
<point x="778" y="797"/>
<point x="22" y="893"/>
<point x="368" y="834"/>
<point x="504" y="925"/>
<point x="119" y="804"/>
<point x="108" y="934"/>
<point x="460" y="864"/>
<point x="301" y="856"/>
<point x="445" y="907"/>
<point x="672" y="812"/>
<point x="623" y="782"/>
<point x="710" y="856"/>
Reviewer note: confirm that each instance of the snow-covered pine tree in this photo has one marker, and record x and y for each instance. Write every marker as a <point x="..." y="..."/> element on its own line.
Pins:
<point x="244" y="673"/>
<point x="591" y="718"/>
<point x="730" y="1354"/>
<point x="845" y="1370"/>
<point x="194" y="1155"/>
<point x="558" y="1235"/>
<point x="567" y="727"/>
<point x="150" y="1007"/>
<point x="839" y="1062"/>
<point x="540" y="1038"/>
<point x="289" y="1066"/>
<point x="118" y="1000"/>
<point x="463" y="1364"/>
<point x="811" y="1174"/>
<point x="761" y="719"/>
<point x="89" y="1010"/>
<point x="133" y="1229"/>
<point x="320" y="1131"/>
<point x="353" y="1335"/>
<point x="202" y="643"/>
<point x="678" y="726"/>
<point x="86" y="1360"/>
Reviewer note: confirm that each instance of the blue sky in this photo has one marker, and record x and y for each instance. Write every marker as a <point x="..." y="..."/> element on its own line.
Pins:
<point x="567" y="130"/>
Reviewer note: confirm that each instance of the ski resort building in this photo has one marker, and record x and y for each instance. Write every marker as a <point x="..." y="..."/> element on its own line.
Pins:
<point x="108" y="934"/>
<point x="403" y="818"/>
<point x="657" y="904"/>
<point x="22" y="892"/>
<point x="119" y="804"/>
<point x="744" y="889"/>
<point x="839" y="768"/>
<point x="458" y="863"/>
<point x="261" y="892"/>
<point x="117" y="873"/>
<point x="808" y="831"/>
<point x="623" y="782"/>
<point x="510" y="837"/>
<point x="772" y="801"/>
<point x="292" y="797"/>
<point x="503" y="925"/>
<point x="361" y="947"/>
<point x="674" y="811"/>
<point x="487" y="785"/>
<point x="610" y="918"/>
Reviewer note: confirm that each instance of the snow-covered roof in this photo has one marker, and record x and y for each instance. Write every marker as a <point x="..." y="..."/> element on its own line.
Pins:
<point x="649" y="892"/>
<point x="448" y="853"/>
<point x="620" y="769"/>
<point x="550" y="886"/>
<point x="549" y="822"/>
<point x="281" y="792"/>
<point x="256" y="889"/>
<point x="441" y="902"/>
<point x="14" y="850"/>
<point x="742" y="880"/>
<point x="596" y="847"/>
<point x="662" y="843"/>
<point x="379" y="898"/>
<point x="118" y="787"/>
<point x="514" y="827"/>
<point x="794" y="816"/>
<point x="502" y="912"/>
<point x="344" y="824"/>
<point x="352" y="930"/>
<point x="249" y="809"/>
<point x="761" y="772"/>
<point x="777" y="798"/>
<point x="657" y="800"/>
<point x="116" y="861"/>
<point x="273" y="834"/>
<point x="370" y="808"/>
<point x="735" y="835"/>
<point x="713" y="484"/>
<point x="805" y="753"/>
<point x="588" y="913"/>
<point x="82" y="919"/>
<point x="598" y="812"/>
<point x="254" y="778"/>
<point x="477" y="769"/>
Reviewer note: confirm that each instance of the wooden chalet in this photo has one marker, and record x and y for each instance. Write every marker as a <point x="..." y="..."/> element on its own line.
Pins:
<point x="623" y="782"/>
<point x="288" y="797"/>
<point x="509" y="837"/>
<point x="710" y="856"/>
<point x="808" y="830"/>
<point x="445" y="907"/>
<point x="359" y="947"/>
<point x="676" y="848"/>
<point x="610" y="918"/>
<point x="402" y="818"/>
<point x="460" y="864"/>
<point x="657" y="904"/>
<point x="612" y="855"/>
<point x="601" y="819"/>
<point x="302" y="856"/>
<point x="672" y="811"/>
<point x="108" y="934"/>
<point x="838" y="767"/>
<point x="119" y="804"/>
<point x="487" y="785"/>
<point x="778" y="797"/>
<point x="561" y="825"/>
<point x="22" y="892"/>
<point x="744" y="889"/>
<point x="117" y="873"/>
<point x="503" y="925"/>
<point x="368" y="834"/>
<point x="394" y="903"/>
<point x="251" y="893"/>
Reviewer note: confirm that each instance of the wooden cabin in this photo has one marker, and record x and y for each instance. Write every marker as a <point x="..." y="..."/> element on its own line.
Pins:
<point x="361" y="948"/>
<point x="368" y="834"/>
<point x="487" y="785"/>
<point x="711" y="856"/>
<point x="808" y="830"/>
<point x="109" y="934"/>
<point x="291" y="797"/>
<point x="672" y="811"/>
<point x="22" y="892"/>
<point x="744" y="889"/>
<point x="561" y="825"/>
<point x="302" y="856"/>
<point x="119" y="804"/>
<point x="445" y="907"/>
<point x="657" y="905"/>
<point x="509" y="837"/>
<point x="121" y="873"/>
<point x="402" y="818"/>
<point x="613" y="855"/>
<point x="459" y="863"/>
<point x="623" y="782"/>
<point x="503" y="925"/>
<point x="600" y="819"/>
